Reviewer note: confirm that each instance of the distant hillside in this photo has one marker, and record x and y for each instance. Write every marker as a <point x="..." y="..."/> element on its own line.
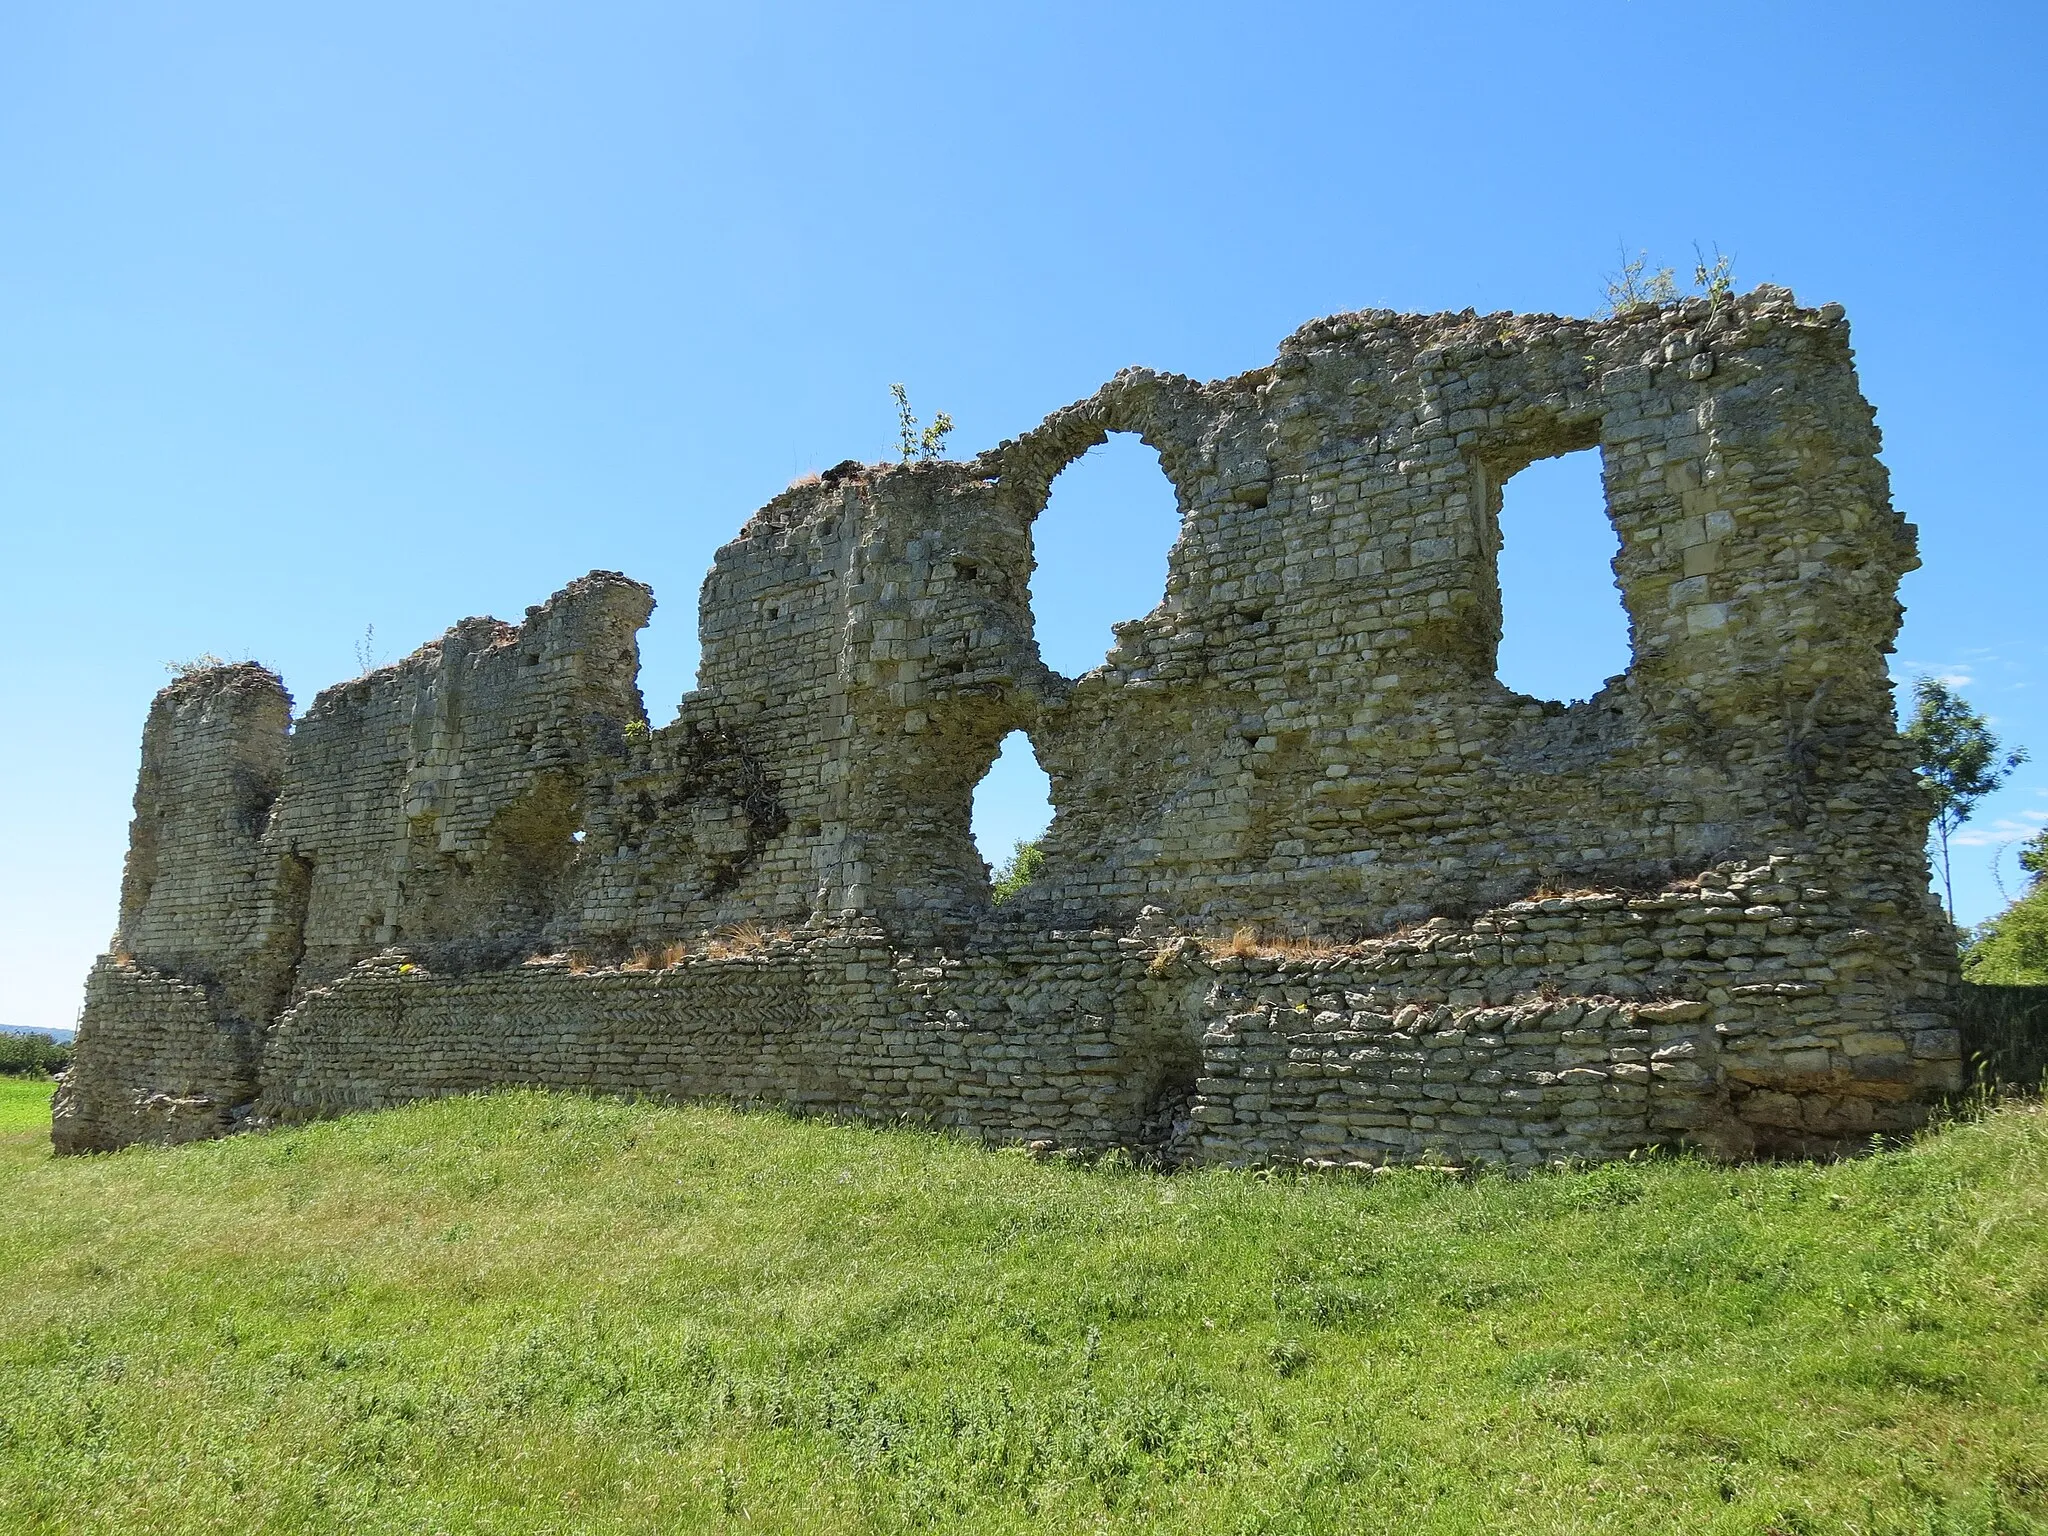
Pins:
<point x="527" y="1314"/>
<point x="61" y="1036"/>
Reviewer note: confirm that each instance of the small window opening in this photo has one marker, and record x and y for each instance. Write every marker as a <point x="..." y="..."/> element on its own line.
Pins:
<point x="1563" y="630"/>
<point x="1100" y="551"/>
<point x="1012" y="806"/>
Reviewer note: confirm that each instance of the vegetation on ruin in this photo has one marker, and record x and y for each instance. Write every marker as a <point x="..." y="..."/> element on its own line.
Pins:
<point x="918" y="442"/>
<point x="525" y="1313"/>
<point x="1635" y="284"/>
<point x="192" y="666"/>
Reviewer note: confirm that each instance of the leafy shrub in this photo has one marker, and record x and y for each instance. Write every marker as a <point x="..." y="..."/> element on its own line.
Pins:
<point x="1635" y="285"/>
<point x="915" y="443"/>
<point x="2011" y="950"/>
<point x="1024" y="865"/>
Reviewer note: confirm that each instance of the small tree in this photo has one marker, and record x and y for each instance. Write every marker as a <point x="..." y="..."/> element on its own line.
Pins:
<point x="1716" y="278"/>
<point x="1957" y="757"/>
<point x="927" y="443"/>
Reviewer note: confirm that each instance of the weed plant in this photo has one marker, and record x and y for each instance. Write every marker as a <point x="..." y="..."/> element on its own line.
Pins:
<point x="525" y="1313"/>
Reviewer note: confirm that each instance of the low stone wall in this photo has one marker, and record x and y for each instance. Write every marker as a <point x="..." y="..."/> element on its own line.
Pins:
<point x="1061" y="1042"/>
<point x="1560" y="1029"/>
<point x="1331" y="1085"/>
<point x="156" y="1064"/>
<point x="1746" y="1013"/>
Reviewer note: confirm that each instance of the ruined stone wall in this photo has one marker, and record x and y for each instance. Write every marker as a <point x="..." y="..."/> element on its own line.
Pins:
<point x="1308" y="731"/>
<point x="1693" y="906"/>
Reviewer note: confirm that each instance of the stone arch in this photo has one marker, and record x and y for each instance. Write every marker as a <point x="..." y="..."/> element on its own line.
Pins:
<point x="1163" y="411"/>
<point x="1175" y="418"/>
<point x="1166" y="412"/>
<point x="1101" y="551"/>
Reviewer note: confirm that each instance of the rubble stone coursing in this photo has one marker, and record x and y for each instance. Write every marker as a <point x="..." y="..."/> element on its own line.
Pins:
<point x="1318" y="886"/>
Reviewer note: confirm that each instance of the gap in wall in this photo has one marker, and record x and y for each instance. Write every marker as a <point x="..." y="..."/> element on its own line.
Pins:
<point x="1100" y="548"/>
<point x="1012" y="803"/>
<point x="1564" y="631"/>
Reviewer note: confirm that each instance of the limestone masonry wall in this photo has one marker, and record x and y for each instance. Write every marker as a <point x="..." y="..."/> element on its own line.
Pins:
<point x="1317" y="887"/>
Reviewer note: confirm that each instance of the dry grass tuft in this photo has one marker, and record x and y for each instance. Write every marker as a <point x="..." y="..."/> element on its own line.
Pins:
<point x="1306" y="949"/>
<point x="1242" y="944"/>
<point x="1245" y="944"/>
<point x="736" y="939"/>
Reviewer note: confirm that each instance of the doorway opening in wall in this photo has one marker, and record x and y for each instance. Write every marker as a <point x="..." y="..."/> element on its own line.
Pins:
<point x="1563" y="630"/>
<point x="1012" y="809"/>
<point x="1100" y="549"/>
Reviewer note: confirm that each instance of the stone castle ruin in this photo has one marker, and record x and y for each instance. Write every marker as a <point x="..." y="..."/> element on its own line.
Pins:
<point x="1318" y="887"/>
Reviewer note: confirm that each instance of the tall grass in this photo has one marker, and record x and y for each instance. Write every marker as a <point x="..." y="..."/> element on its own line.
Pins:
<point x="524" y="1313"/>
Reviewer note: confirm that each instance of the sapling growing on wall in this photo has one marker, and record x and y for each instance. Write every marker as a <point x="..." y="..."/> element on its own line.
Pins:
<point x="1636" y="284"/>
<point x="915" y="442"/>
<point x="1716" y="279"/>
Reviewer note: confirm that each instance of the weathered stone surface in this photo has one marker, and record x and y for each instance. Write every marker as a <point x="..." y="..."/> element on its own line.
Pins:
<point x="1486" y="928"/>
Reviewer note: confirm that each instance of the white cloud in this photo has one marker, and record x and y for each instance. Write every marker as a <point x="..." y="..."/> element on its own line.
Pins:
<point x="1956" y="674"/>
<point x="2003" y="830"/>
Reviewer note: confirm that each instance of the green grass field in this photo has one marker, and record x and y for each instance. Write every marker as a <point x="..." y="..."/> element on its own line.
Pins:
<point x="525" y="1313"/>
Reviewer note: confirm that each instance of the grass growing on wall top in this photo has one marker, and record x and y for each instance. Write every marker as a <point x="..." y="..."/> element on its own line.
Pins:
<point x="525" y="1313"/>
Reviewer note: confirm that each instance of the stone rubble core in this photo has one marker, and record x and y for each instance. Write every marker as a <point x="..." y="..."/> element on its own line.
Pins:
<point x="1318" y="887"/>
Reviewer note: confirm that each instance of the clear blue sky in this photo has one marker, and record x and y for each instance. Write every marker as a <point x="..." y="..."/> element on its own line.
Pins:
<point x="323" y="317"/>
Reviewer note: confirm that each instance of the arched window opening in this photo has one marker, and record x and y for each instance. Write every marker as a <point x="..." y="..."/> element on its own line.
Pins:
<point x="1012" y="807"/>
<point x="1100" y="549"/>
<point x="1563" y="630"/>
